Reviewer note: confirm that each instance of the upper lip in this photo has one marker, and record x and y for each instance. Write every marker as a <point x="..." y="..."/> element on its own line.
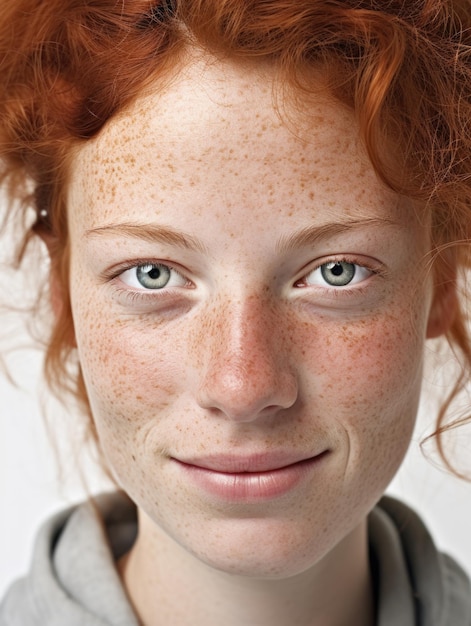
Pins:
<point x="238" y="464"/>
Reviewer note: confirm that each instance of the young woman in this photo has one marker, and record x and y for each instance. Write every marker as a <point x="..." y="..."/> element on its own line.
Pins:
<point x="257" y="214"/>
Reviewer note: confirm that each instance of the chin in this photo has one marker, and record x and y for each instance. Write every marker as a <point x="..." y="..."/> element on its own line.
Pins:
<point x="257" y="548"/>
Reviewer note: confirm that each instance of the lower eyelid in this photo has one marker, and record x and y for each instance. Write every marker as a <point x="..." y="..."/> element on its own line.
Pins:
<point x="146" y="301"/>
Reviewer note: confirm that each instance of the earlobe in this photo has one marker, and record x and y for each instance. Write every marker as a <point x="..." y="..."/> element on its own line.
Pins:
<point x="59" y="299"/>
<point x="55" y="291"/>
<point x="445" y="300"/>
<point x="58" y="296"/>
<point x="442" y="311"/>
<point x="55" y="295"/>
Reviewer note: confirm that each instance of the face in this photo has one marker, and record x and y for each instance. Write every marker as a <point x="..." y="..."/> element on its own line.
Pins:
<point x="250" y="308"/>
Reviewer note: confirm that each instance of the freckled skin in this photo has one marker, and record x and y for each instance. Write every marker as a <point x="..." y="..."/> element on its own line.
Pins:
<point x="244" y="361"/>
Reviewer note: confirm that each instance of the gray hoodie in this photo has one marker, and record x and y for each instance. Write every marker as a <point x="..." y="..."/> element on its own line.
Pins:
<point x="73" y="580"/>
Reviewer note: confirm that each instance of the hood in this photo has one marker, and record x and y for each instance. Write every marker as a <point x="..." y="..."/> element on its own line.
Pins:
<point x="416" y="584"/>
<point x="73" y="580"/>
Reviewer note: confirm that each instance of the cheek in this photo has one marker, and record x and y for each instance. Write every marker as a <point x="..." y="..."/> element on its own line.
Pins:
<point x="371" y="359"/>
<point x="128" y="366"/>
<point x="369" y="383"/>
<point x="120" y="359"/>
<point x="129" y="386"/>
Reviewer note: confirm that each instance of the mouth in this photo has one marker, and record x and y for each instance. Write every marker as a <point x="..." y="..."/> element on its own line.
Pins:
<point x="250" y="478"/>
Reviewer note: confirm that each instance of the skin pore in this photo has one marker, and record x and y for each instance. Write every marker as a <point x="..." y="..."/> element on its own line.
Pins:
<point x="209" y="244"/>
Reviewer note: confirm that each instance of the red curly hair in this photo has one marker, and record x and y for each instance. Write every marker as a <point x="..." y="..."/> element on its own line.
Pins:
<point x="68" y="66"/>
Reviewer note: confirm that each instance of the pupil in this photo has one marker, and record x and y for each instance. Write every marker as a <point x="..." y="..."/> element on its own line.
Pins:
<point x="337" y="269"/>
<point x="154" y="273"/>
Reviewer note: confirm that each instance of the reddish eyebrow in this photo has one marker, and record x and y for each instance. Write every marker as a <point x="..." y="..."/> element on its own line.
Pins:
<point x="166" y="234"/>
<point x="149" y="232"/>
<point x="313" y="234"/>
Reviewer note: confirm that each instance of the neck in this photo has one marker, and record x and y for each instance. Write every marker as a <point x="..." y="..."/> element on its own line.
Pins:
<point x="167" y="585"/>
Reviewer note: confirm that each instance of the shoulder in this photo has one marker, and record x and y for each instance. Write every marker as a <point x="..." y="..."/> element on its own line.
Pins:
<point x="426" y="587"/>
<point x="73" y="579"/>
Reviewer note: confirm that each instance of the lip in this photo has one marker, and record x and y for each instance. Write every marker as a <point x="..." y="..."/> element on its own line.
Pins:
<point x="251" y="478"/>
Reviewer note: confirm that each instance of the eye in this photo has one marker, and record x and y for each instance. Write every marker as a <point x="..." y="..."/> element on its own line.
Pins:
<point x="152" y="276"/>
<point x="337" y="274"/>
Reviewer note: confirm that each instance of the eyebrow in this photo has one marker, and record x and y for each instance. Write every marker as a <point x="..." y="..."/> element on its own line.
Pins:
<point x="308" y="236"/>
<point x="149" y="232"/>
<point x="314" y="234"/>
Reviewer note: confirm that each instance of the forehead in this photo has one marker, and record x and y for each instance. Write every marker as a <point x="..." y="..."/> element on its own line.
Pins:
<point x="215" y="131"/>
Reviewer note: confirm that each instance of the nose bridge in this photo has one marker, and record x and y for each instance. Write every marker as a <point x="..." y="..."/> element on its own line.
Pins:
<point x="246" y="369"/>
<point x="246" y="332"/>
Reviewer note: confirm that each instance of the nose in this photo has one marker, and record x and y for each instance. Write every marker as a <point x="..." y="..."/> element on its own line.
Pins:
<point x="246" y="372"/>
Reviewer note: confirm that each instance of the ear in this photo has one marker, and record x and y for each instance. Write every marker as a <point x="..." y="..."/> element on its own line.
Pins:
<point x="59" y="298"/>
<point x="55" y="288"/>
<point x="445" y="298"/>
<point x="55" y="292"/>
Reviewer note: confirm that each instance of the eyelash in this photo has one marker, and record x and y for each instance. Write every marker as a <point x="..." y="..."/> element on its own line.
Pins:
<point x="114" y="274"/>
<point x="342" y="290"/>
<point x="140" y="295"/>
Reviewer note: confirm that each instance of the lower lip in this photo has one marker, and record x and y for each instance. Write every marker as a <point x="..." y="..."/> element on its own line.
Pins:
<point x="251" y="486"/>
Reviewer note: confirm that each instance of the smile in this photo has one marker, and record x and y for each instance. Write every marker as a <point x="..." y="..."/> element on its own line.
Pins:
<point x="248" y="479"/>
